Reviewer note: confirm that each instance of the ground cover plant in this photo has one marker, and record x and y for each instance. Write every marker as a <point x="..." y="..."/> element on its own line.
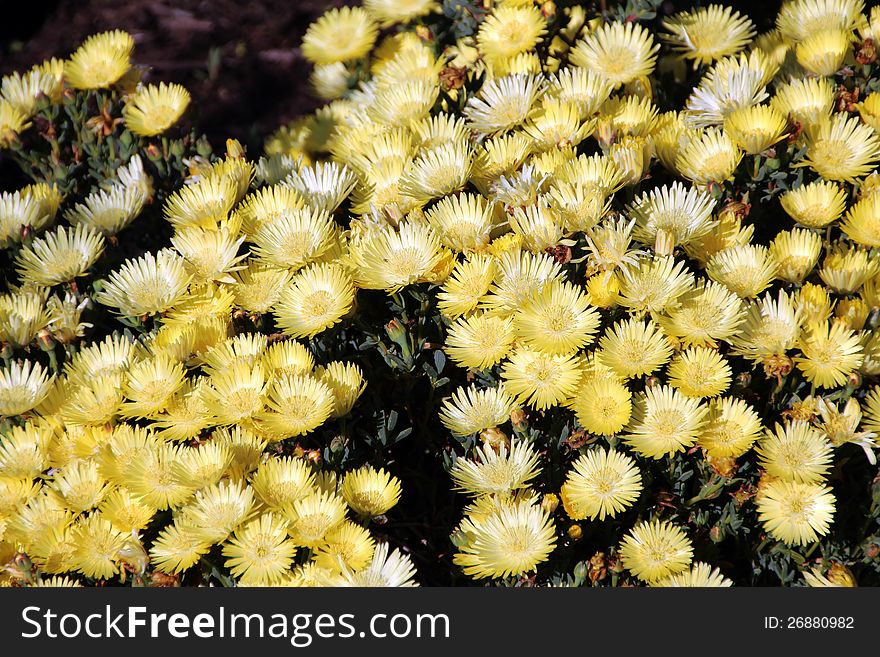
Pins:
<point x="563" y="294"/>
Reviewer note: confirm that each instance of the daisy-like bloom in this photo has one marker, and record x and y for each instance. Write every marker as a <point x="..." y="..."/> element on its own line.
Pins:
<point x="869" y="110"/>
<point x="266" y="206"/>
<point x="152" y="109"/>
<point x="177" y="548"/>
<point x="313" y="517"/>
<point x="755" y="128"/>
<point x="24" y="91"/>
<point x="389" y="260"/>
<point x="348" y="546"/>
<point x="577" y="207"/>
<point x="746" y="270"/>
<point x="733" y="83"/>
<point x="437" y="172"/>
<point x="842" y="427"/>
<point x="708" y="33"/>
<point x="504" y="103"/>
<point x="60" y="256"/>
<point x="297" y="405"/>
<point x="771" y="328"/>
<point x="838" y="576"/>
<point x="57" y="582"/>
<point x="632" y="155"/>
<point x="287" y="357"/>
<point x="711" y="157"/>
<point x="244" y="349"/>
<point x="389" y="12"/>
<point x="215" y="511"/>
<point x="656" y="549"/>
<point x="519" y="275"/>
<point x="96" y="547"/>
<point x="583" y="87"/>
<point x="403" y="103"/>
<point x="699" y="372"/>
<point x="557" y="320"/>
<point x="511" y="539"/>
<point x="370" y="492"/>
<point x="466" y="286"/>
<point x="147" y="285"/>
<point x="499" y="156"/>
<point x="22" y="316"/>
<point x="323" y="185"/>
<point x="346" y="382"/>
<point x="853" y="313"/>
<point x="537" y="225"/>
<point x="470" y="410"/>
<point x="796" y="452"/>
<point x="601" y="484"/>
<point x="100" y="61"/>
<point x="629" y="115"/>
<point x="500" y="471"/>
<point x="283" y="480"/>
<point x="509" y="31"/>
<point x="823" y="52"/>
<point x="704" y="315"/>
<point x="862" y="222"/>
<point x="799" y="19"/>
<point x="109" y="210"/>
<point x="664" y="422"/>
<point x="728" y="232"/>
<point x="618" y="51"/>
<point x="795" y="513"/>
<point x="842" y="148"/>
<point x="480" y="341"/>
<point x="80" y="486"/>
<point x="150" y="385"/>
<point x="634" y="348"/>
<point x="829" y="352"/>
<point x="210" y="254"/>
<point x="23" y="386"/>
<point x="557" y="125"/>
<point x="258" y="287"/>
<point x="671" y="216"/>
<point x="205" y="203"/>
<point x="340" y="35"/>
<point x="609" y="246"/>
<point x="846" y="270"/>
<point x="463" y="221"/>
<point x="541" y="380"/>
<point x="329" y="82"/>
<point x="12" y="122"/>
<point x="700" y="575"/>
<point x="387" y="569"/>
<point x="797" y="252"/>
<point x="294" y="238"/>
<point x="654" y="285"/>
<point x="816" y="204"/>
<point x="260" y="553"/>
<point x="731" y="428"/>
<point x="206" y="464"/>
<point x="156" y="478"/>
<point x="94" y="402"/>
<point x="598" y="172"/>
<point x="602" y="405"/>
<point x="316" y="299"/>
<point x="807" y="101"/>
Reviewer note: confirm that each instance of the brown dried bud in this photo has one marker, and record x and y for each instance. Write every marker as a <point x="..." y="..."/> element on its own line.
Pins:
<point x="560" y="253"/>
<point x="854" y="380"/>
<point x="518" y="418"/>
<point x="158" y="579"/>
<point x="494" y="438"/>
<point x="846" y="99"/>
<point x="577" y="439"/>
<point x="715" y="534"/>
<point x="872" y="551"/>
<point x="722" y="465"/>
<point x="867" y="52"/>
<point x="453" y="77"/>
<point x="598" y="568"/>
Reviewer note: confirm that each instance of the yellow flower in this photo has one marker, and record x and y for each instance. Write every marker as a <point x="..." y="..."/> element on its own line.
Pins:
<point x="437" y="172"/>
<point x="156" y="478"/>
<point x="340" y="35"/>
<point x="80" y="486"/>
<point x="311" y="518"/>
<point x="480" y="341"/>
<point x="846" y="270"/>
<point x="601" y="484"/>
<point x="177" y="548"/>
<point x="463" y="221"/>
<point x="152" y="109"/>
<point x="23" y="386"/>
<point x="147" y="285"/>
<point x="389" y="12"/>
<point x="656" y="549"/>
<point x="633" y="348"/>
<point x="869" y="110"/>
<point x="862" y="222"/>
<point x="797" y="252"/>
<point x="469" y="282"/>
<point x="499" y="472"/>
<point x="703" y="316"/>
<point x="260" y="553"/>
<point x="512" y="539"/>
<point x="96" y="547"/>
<point x="746" y="270"/>
<point x="389" y="260"/>
<point x="316" y="299"/>
<point x="470" y="410"/>
<point x="699" y="372"/>
<point x="700" y="575"/>
<point x="664" y="422"/>
<point x="100" y="61"/>
<point x="257" y="287"/>
<point x="347" y="547"/>
<point x="799" y="19"/>
<point x="731" y="428"/>
<point x="557" y="320"/>
<point x="795" y="452"/>
<point x="504" y="103"/>
<point x="387" y="569"/>
<point x="829" y="353"/>
<point x="711" y="157"/>
<point x="346" y="381"/>
<point x="842" y="148"/>
<point x="587" y="89"/>
<point x="807" y="101"/>
<point x="794" y="512"/>
<point x="60" y="256"/>
<point x="654" y="284"/>
<point x="771" y="328"/>
<point x="283" y="480"/>
<point x="618" y="51"/>
<point x="539" y="379"/>
<point x="370" y="492"/>
<point x="602" y="405"/>
<point x="518" y="276"/>
<point x="707" y="33"/>
<point x="12" y="122"/>
<point x="671" y="216"/>
<point x="822" y="53"/>
<point x="755" y="128"/>
<point x="508" y="31"/>
<point x="297" y="404"/>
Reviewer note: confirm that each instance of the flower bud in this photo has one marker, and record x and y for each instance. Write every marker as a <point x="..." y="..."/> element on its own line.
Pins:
<point x="575" y="532"/>
<point x="549" y="503"/>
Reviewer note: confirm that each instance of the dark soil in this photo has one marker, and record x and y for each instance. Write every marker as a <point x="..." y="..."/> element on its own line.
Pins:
<point x="240" y="60"/>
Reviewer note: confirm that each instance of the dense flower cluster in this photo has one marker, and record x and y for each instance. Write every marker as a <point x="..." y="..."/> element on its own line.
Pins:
<point x="661" y="310"/>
